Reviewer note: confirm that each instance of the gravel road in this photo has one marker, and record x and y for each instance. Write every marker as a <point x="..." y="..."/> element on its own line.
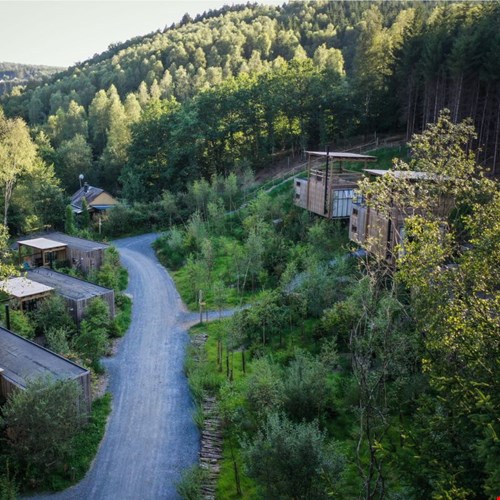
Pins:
<point x="150" y="436"/>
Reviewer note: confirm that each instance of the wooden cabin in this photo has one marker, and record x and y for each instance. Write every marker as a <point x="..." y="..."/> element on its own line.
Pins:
<point x="41" y="252"/>
<point x="378" y="233"/>
<point x="22" y="360"/>
<point x="58" y="248"/>
<point x="98" y="200"/>
<point x="76" y="292"/>
<point x="85" y="255"/>
<point x="25" y="294"/>
<point x="329" y="187"/>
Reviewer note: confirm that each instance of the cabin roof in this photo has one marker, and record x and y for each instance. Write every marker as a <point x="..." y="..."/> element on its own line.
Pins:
<point x="42" y="243"/>
<point x="63" y="239"/>
<point x="67" y="286"/>
<point x="77" y="243"/>
<point x="90" y="193"/>
<point x="23" y="360"/>
<point x="341" y="156"/>
<point x="22" y="287"/>
<point x="402" y="174"/>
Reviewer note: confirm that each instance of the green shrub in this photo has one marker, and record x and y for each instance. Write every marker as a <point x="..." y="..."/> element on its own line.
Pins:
<point x="8" y="486"/>
<point x="57" y="340"/>
<point x="265" y="387"/>
<point x="41" y="421"/>
<point x="22" y="324"/>
<point x="189" y="486"/>
<point x="52" y="313"/>
<point x="292" y="460"/>
<point x="170" y="248"/>
<point x="305" y="388"/>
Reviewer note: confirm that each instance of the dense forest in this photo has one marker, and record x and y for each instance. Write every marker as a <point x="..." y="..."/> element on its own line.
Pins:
<point x="13" y="75"/>
<point x="235" y="87"/>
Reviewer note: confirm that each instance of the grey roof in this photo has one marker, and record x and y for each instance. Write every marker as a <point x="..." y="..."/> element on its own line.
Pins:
<point x="90" y="193"/>
<point x="67" y="286"/>
<point x="42" y="243"/>
<point x="63" y="240"/>
<point x="74" y="242"/>
<point x="23" y="360"/>
<point x="412" y="175"/>
<point x="338" y="155"/>
<point x="22" y="287"/>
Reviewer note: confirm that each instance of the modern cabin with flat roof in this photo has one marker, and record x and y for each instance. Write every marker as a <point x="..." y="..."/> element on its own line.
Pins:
<point x="54" y="247"/>
<point x="329" y="187"/>
<point x="83" y="254"/>
<point x="22" y="360"/>
<point x="76" y="292"/>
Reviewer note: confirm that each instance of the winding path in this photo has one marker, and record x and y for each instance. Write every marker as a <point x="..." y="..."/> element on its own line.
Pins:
<point x="151" y="436"/>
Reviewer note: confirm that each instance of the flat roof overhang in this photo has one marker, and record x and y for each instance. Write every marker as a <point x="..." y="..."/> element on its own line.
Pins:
<point x="23" y="288"/>
<point x="43" y="244"/>
<point x="340" y="156"/>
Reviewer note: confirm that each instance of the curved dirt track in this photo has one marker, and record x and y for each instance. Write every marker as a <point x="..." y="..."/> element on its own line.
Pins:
<point x="151" y="436"/>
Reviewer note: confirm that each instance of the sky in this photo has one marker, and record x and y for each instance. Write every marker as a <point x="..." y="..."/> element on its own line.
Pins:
<point x="64" y="32"/>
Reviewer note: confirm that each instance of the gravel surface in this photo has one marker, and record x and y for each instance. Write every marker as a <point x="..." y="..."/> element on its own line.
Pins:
<point x="151" y="436"/>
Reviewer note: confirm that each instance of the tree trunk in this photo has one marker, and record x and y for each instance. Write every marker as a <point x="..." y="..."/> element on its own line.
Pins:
<point x="495" y="151"/>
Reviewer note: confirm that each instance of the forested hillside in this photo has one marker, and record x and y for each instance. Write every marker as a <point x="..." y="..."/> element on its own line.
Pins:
<point x="234" y="87"/>
<point x="13" y="75"/>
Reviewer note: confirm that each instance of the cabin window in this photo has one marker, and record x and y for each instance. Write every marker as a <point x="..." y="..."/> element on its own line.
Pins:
<point x="298" y="183"/>
<point x="297" y="196"/>
<point x="354" y="229"/>
<point x="354" y="211"/>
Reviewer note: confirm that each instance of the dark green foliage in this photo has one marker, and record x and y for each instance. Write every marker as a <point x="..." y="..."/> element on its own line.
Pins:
<point x="91" y="344"/>
<point x="73" y="463"/>
<point x="41" y="421"/>
<point x="111" y="274"/>
<point x="8" y="488"/>
<point x="292" y="460"/>
<point x="84" y="219"/>
<point x="69" y="221"/>
<point x="305" y="388"/>
<point x="84" y="446"/>
<point x="123" y="316"/>
<point x="52" y="313"/>
<point x="171" y="249"/>
<point x="92" y="341"/>
<point x="57" y="339"/>
<point x="265" y="387"/>
<point x="127" y="220"/>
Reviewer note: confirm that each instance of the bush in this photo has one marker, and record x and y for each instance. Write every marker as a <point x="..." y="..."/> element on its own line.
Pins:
<point x="171" y="250"/>
<point x="8" y="487"/>
<point x="91" y="344"/>
<point x="265" y="387"/>
<point x="111" y="274"/>
<point x="21" y="324"/>
<point x="40" y="422"/>
<point x="123" y="316"/>
<point x="52" y="313"/>
<point x="305" y="388"/>
<point x="292" y="460"/>
<point x="189" y="486"/>
<point x="57" y="340"/>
